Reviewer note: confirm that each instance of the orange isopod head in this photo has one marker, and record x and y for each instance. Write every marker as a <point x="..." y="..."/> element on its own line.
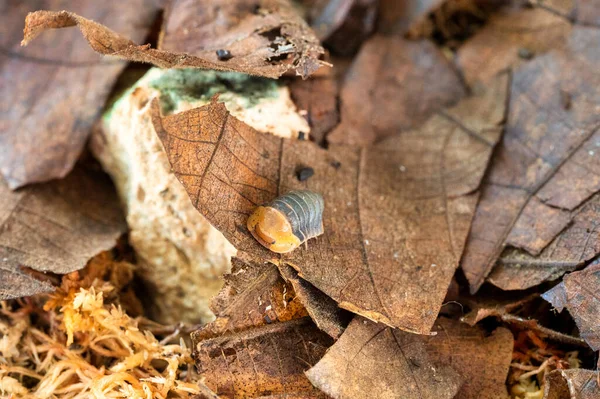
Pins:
<point x="271" y="228"/>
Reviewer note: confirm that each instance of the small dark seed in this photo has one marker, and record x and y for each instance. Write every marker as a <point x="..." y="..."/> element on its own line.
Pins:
<point x="304" y="173"/>
<point x="301" y="136"/>
<point x="336" y="164"/>
<point x="224" y="55"/>
<point x="268" y="319"/>
<point x="525" y="53"/>
<point x="565" y="100"/>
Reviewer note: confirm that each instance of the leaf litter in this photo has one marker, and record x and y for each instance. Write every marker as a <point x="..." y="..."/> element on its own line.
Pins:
<point x="54" y="90"/>
<point x="370" y="273"/>
<point x="534" y="218"/>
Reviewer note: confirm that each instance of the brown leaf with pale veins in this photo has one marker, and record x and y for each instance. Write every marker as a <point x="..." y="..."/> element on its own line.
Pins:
<point x="424" y="180"/>
<point x="371" y="360"/>
<point x="542" y="137"/>
<point x="481" y="360"/>
<point x="53" y="91"/>
<point x="577" y="244"/>
<point x="55" y="227"/>
<point x="511" y="37"/>
<point x="572" y="384"/>
<point x="393" y="84"/>
<point x="263" y="361"/>
<point x="579" y="292"/>
<point x="322" y="309"/>
<point x="253" y="295"/>
<point x="257" y="36"/>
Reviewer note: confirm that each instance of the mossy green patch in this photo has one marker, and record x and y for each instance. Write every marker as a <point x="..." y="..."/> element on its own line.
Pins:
<point x="193" y="85"/>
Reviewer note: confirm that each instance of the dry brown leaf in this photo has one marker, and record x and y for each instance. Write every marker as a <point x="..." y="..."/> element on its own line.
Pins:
<point x="399" y="16"/>
<point x="577" y="244"/>
<point x="343" y="25"/>
<point x="506" y="307"/>
<point x="318" y="97"/>
<point x="253" y="295"/>
<point x="323" y="310"/>
<point x="423" y="179"/>
<point x="481" y="360"/>
<point x="542" y="136"/>
<point x="510" y="38"/>
<point x="266" y="38"/>
<point x="393" y="84"/>
<point x="54" y="90"/>
<point x="584" y="12"/>
<point x="572" y="384"/>
<point x="579" y="292"/>
<point x="55" y="227"/>
<point x="372" y="360"/>
<point x="263" y="361"/>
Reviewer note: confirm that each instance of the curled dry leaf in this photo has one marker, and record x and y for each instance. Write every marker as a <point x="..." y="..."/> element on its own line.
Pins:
<point x="266" y="38"/>
<point x="322" y="309"/>
<point x="318" y="97"/>
<point x="579" y="292"/>
<point x="576" y="245"/>
<point x="423" y="179"/>
<point x="55" y="227"/>
<point x="253" y="295"/>
<point x="572" y="384"/>
<point x="371" y="360"/>
<point x="54" y="90"/>
<point x="263" y="361"/>
<point x="393" y="84"/>
<point x="511" y="37"/>
<point x="543" y="141"/>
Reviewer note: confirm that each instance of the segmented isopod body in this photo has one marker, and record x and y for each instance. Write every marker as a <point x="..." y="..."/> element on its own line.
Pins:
<point x="289" y="221"/>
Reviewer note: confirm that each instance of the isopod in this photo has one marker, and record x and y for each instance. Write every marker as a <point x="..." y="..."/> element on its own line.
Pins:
<point x="288" y="221"/>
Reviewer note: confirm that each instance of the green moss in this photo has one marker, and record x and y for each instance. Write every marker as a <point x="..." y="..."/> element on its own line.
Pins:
<point x="193" y="85"/>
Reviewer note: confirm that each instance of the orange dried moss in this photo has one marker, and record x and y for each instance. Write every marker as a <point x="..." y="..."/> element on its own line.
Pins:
<point x="82" y="344"/>
<point x="533" y="357"/>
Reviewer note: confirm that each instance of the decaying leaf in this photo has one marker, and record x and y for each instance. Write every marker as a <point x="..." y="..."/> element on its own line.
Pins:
<point x="482" y="361"/>
<point x="55" y="227"/>
<point x="372" y="360"/>
<point x="577" y="244"/>
<point x="584" y="12"/>
<point x="318" y="97"/>
<point x="265" y="38"/>
<point x="393" y="84"/>
<point x="572" y="384"/>
<point x="400" y="16"/>
<point x="253" y="295"/>
<point x="53" y="91"/>
<point x="343" y="25"/>
<point x="579" y="292"/>
<point x="511" y="37"/>
<point x="263" y="361"/>
<point x="322" y="309"/>
<point x="542" y="137"/>
<point x="506" y="308"/>
<point x="422" y="179"/>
